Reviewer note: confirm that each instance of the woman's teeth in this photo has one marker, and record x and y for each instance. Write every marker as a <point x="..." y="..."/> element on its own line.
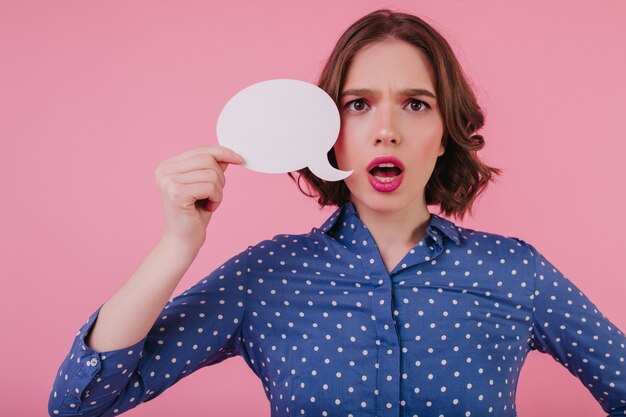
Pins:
<point x="385" y="179"/>
<point x="386" y="172"/>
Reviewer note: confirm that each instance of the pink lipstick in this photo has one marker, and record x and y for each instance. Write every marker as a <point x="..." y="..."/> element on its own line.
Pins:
<point x="385" y="173"/>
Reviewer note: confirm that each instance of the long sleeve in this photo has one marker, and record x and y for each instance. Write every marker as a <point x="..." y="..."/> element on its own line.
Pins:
<point x="200" y="327"/>
<point x="569" y="327"/>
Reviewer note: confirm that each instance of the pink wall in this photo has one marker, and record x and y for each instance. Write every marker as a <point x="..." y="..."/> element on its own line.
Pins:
<point x="94" y="95"/>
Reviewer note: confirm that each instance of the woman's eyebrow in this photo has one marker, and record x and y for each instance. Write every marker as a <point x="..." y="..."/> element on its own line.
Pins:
<point x="376" y="93"/>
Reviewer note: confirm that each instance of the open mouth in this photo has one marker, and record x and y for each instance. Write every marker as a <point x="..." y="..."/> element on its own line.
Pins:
<point x="385" y="172"/>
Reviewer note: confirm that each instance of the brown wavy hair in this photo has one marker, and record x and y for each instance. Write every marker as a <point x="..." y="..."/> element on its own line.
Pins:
<point x="458" y="176"/>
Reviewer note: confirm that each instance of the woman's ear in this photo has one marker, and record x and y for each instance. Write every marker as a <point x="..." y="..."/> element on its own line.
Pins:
<point x="442" y="145"/>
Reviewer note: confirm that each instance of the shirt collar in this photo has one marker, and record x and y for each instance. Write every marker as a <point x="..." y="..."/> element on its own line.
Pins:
<point x="347" y="214"/>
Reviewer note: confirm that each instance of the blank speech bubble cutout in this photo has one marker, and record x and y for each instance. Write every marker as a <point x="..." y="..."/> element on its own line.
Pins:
<point x="280" y="126"/>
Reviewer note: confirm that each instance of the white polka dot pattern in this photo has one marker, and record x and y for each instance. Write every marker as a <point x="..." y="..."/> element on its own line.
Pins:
<point x="329" y="332"/>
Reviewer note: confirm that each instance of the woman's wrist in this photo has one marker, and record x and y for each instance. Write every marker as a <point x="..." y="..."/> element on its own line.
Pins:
<point x="186" y="245"/>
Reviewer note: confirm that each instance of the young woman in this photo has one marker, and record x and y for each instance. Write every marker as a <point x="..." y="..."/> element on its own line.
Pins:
<point x="384" y="310"/>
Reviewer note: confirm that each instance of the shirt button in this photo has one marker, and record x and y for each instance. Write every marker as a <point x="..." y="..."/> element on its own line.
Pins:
<point x="93" y="362"/>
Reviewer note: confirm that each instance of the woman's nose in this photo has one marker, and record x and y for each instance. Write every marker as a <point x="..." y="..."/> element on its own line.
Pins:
<point x="386" y="129"/>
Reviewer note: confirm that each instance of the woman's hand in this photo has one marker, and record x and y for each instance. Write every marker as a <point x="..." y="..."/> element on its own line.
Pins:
<point x="191" y="185"/>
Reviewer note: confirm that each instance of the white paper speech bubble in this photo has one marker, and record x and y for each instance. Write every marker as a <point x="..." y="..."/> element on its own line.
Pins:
<point x="280" y="126"/>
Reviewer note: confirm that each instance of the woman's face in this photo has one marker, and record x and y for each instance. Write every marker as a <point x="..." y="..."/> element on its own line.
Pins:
<point x="388" y="109"/>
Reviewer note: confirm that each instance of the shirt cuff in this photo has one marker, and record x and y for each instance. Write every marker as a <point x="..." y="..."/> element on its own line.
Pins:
<point x="88" y="372"/>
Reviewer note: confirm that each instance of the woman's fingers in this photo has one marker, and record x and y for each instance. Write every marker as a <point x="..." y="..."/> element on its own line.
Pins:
<point x="191" y="186"/>
<point x="220" y="153"/>
<point x="201" y="176"/>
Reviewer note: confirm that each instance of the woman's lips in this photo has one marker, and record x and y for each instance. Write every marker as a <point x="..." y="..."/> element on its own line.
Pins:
<point x="388" y="183"/>
<point x="385" y="160"/>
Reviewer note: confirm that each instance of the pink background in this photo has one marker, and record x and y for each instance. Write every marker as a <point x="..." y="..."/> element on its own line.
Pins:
<point x="94" y="96"/>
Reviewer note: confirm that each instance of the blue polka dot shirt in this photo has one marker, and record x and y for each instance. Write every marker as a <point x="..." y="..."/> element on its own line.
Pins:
<point x="330" y="332"/>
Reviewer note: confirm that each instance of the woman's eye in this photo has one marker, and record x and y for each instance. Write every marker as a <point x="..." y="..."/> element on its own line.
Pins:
<point x="359" y="105"/>
<point x="418" y="105"/>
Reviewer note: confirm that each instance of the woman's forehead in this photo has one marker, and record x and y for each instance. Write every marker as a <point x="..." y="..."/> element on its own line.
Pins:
<point x="394" y="63"/>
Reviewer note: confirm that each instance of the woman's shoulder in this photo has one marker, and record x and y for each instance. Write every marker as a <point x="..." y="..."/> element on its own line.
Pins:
<point x="488" y="240"/>
<point x="285" y="241"/>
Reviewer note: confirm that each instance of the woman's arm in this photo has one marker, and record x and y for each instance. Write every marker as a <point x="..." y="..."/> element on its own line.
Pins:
<point x="569" y="327"/>
<point x="129" y="314"/>
<point x="185" y="181"/>
<point x="191" y="186"/>
<point x="200" y="327"/>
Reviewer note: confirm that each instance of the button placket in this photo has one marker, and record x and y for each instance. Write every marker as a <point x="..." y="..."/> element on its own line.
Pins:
<point x="388" y="351"/>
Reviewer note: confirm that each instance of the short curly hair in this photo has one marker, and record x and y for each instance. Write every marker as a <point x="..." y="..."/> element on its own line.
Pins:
<point x="458" y="176"/>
